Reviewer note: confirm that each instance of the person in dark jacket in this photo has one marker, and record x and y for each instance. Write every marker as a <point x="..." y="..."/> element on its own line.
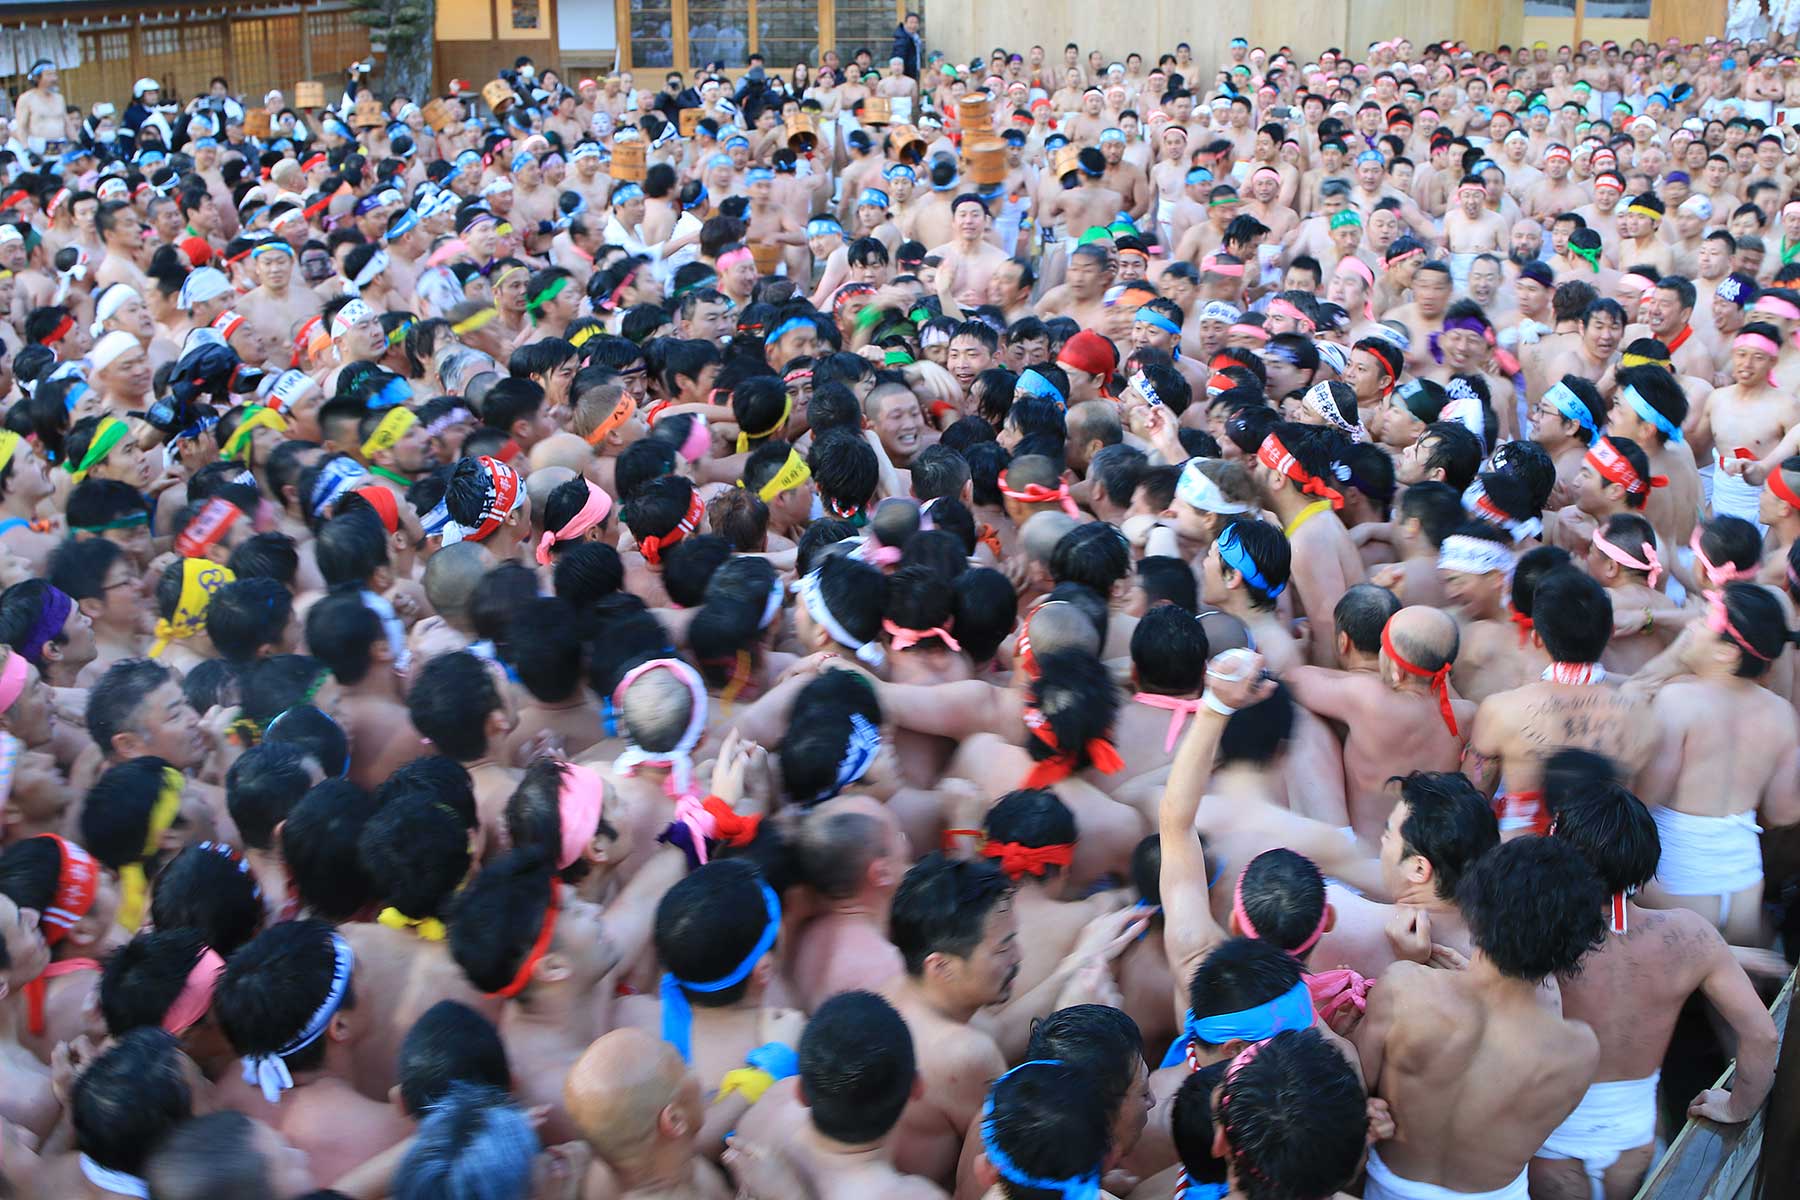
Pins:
<point x="909" y="44"/>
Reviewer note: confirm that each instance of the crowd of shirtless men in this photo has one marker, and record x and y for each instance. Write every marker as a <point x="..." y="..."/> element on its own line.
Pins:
<point x="1189" y="634"/>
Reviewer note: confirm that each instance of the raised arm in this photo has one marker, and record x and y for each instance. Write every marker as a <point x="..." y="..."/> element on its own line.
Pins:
<point x="1189" y="930"/>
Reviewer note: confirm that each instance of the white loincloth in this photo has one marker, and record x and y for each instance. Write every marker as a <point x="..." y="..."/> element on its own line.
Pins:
<point x="1383" y="1184"/>
<point x="1612" y="1118"/>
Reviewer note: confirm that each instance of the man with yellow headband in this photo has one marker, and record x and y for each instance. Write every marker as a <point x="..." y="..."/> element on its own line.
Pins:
<point x="1640" y="238"/>
<point x="395" y="447"/>
<point x="779" y="477"/>
<point x="24" y="486"/>
<point x="182" y="626"/>
<point x="135" y="817"/>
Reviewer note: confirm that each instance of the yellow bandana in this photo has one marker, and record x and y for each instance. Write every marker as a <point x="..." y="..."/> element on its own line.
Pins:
<point x="471" y="323"/>
<point x="256" y="417"/>
<point x="134" y="884"/>
<point x="9" y="445"/>
<point x="745" y="437"/>
<point x="200" y="578"/>
<point x="793" y="473"/>
<point x="429" y="928"/>
<point x="387" y="435"/>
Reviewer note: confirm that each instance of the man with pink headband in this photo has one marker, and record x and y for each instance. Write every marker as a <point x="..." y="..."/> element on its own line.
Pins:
<point x="1753" y="423"/>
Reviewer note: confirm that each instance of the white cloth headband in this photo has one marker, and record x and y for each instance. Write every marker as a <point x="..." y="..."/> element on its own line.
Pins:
<point x="107" y="350"/>
<point x="267" y="1071"/>
<point x="680" y="758"/>
<point x="1474" y="556"/>
<point x="1197" y="489"/>
<point x="111" y="301"/>
<point x="808" y="588"/>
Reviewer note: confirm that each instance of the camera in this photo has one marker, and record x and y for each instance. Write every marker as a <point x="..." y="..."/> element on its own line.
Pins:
<point x="209" y="371"/>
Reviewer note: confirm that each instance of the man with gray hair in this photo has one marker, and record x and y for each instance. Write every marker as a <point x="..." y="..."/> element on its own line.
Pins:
<point x="476" y="1144"/>
<point x="457" y="365"/>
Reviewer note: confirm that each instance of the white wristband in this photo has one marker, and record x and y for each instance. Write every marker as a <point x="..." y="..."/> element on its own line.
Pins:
<point x="1211" y="699"/>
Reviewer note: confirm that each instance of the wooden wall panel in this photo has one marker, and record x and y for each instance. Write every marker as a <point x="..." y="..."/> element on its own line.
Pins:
<point x="1688" y="20"/>
<point x="1117" y="27"/>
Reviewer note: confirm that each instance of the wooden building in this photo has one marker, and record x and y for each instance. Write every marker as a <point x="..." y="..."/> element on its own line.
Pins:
<point x="259" y="44"/>
<point x="103" y="47"/>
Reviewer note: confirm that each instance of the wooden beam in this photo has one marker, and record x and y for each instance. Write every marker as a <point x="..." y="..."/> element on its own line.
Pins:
<point x="1709" y="1161"/>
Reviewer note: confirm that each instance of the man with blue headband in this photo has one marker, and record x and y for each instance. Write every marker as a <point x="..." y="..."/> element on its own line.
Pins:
<point x="715" y="935"/>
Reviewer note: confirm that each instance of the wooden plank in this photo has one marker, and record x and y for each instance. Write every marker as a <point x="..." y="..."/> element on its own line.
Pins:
<point x="1709" y="1161"/>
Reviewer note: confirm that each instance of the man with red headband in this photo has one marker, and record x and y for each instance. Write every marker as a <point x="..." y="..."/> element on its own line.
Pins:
<point x="1295" y="470"/>
<point x="1400" y="719"/>
<point x="1571" y="705"/>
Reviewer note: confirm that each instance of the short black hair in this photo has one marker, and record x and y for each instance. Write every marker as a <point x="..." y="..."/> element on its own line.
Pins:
<point x="1534" y="907"/>
<point x="450" y="1043"/>
<point x="1448" y="823"/>
<point x="857" y="1067"/>
<point x="129" y="1099"/>
<point x="941" y="906"/>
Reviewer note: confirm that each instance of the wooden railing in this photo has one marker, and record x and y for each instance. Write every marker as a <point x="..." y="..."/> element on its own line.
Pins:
<point x="1709" y="1161"/>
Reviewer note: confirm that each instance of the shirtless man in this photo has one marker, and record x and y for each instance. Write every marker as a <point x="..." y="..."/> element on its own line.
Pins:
<point x="1650" y="408"/>
<point x="1631" y="990"/>
<point x="1432" y="286"/>
<point x="968" y="262"/>
<point x="1641" y="239"/>
<point x="639" y="1108"/>
<point x="1088" y="204"/>
<point x="1245" y="570"/>
<point x="853" y="853"/>
<point x="1555" y="192"/>
<point x="1571" y="706"/>
<point x="124" y="247"/>
<point x="1471" y="227"/>
<point x="1081" y="296"/>
<point x="1705" y="789"/>
<point x="1534" y="910"/>
<point x="835" y="1120"/>
<point x="1293" y="470"/>
<point x="1398" y="719"/>
<point x="41" y="113"/>
<point x="287" y="1005"/>
<point x="1590" y="357"/>
<point x="1750" y="423"/>
<point x="274" y="306"/>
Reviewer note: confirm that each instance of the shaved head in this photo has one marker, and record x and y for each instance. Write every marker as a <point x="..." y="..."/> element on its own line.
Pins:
<point x="656" y="710"/>
<point x="1059" y="625"/>
<point x="1039" y="535"/>
<point x="840" y="839"/>
<point x="620" y="1091"/>
<point x="453" y="572"/>
<point x="560" y="450"/>
<point x="1426" y="637"/>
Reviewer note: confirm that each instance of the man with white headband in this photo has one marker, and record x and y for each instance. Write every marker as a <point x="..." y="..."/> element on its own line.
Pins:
<point x="205" y="294"/>
<point x="357" y="336"/>
<point x="288" y="1004"/>
<point x="121" y="371"/>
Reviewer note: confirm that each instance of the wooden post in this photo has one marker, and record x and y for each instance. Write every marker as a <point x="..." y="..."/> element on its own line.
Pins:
<point x="1779" y="1167"/>
<point x="306" y="63"/>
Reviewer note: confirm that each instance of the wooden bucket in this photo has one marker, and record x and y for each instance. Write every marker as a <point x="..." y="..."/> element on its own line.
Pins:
<point x="689" y="120"/>
<point x="437" y="115"/>
<point x="309" y="93"/>
<point x="908" y="145"/>
<point x="975" y="110"/>
<point x="256" y="123"/>
<point x="877" y="110"/>
<point x="498" y="95"/>
<point x="984" y="159"/>
<point x="628" y="160"/>
<point x="368" y="115"/>
<point x="1068" y="160"/>
<point x="767" y="256"/>
<point x="803" y="134"/>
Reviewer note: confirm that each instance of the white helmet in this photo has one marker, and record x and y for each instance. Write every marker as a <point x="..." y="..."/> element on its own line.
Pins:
<point x="143" y="85"/>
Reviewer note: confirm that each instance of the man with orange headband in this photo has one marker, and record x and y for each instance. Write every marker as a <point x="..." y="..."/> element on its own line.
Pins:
<point x="1399" y="720"/>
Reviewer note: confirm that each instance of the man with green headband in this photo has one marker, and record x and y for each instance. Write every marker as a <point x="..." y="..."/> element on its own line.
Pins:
<point x="552" y="300"/>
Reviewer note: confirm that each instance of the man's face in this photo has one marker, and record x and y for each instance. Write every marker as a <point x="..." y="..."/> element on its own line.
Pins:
<point x="967" y="358"/>
<point x="1525" y="242"/>
<point x="899" y="425"/>
<point x="1431" y="291"/>
<point x="1484" y="281"/>
<point x="711" y="321"/>
<point x="1601" y="335"/>
<point x="986" y="975"/>
<point x="27" y="954"/>
<point x="1749" y="367"/>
